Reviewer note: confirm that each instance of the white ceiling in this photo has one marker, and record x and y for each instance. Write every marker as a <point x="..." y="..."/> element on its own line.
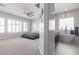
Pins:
<point x="18" y="9"/>
<point x="61" y="7"/>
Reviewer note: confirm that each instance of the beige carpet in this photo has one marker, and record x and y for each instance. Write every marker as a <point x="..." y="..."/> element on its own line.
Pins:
<point x="19" y="46"/>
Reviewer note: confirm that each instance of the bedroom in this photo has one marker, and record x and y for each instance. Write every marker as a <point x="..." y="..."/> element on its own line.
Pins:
<point x="15" y="21"/>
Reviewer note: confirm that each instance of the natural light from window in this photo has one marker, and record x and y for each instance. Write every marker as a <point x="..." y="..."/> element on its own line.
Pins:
<point x="25" y="26"/>
<point x="52" y="24"/>
<point x="66" y="23"/>
<point x="16" y="26"/>
<point x="2" y="24"/>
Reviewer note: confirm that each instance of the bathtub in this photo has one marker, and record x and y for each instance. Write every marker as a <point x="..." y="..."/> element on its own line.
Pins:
<point x="66" y="38"/>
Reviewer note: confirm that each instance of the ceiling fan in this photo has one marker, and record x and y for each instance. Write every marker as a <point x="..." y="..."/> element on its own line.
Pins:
<point x="38" y="5"/>
<point x="29" y="13"/>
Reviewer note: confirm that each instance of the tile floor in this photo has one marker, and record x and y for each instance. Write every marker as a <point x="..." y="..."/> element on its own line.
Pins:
<point x="68" y="48"/>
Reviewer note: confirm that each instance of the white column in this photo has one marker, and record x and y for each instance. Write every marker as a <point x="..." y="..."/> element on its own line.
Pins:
<point x="45" y="41"/>
<point x="46" y="27"/>
<point x="56" y="22"/>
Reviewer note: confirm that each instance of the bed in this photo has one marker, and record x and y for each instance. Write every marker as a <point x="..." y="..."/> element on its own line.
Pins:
<point x="32" y="36"/>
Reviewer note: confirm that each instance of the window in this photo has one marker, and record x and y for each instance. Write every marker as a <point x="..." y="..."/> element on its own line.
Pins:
<point x="14" y="26"/>
<point x="20" y="26"/>
<point x="9" y="25"/>
<point x="52" y="24"/>
<point x="17" y="26"/>
<point x="66" y="23"/>
<point x="25" y="27"/>
<point x="2" y="24"/>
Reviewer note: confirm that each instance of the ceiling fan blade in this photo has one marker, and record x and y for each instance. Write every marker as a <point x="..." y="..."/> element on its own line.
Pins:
<point x="38" y="5"/>
<point x="31" y="12"/>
